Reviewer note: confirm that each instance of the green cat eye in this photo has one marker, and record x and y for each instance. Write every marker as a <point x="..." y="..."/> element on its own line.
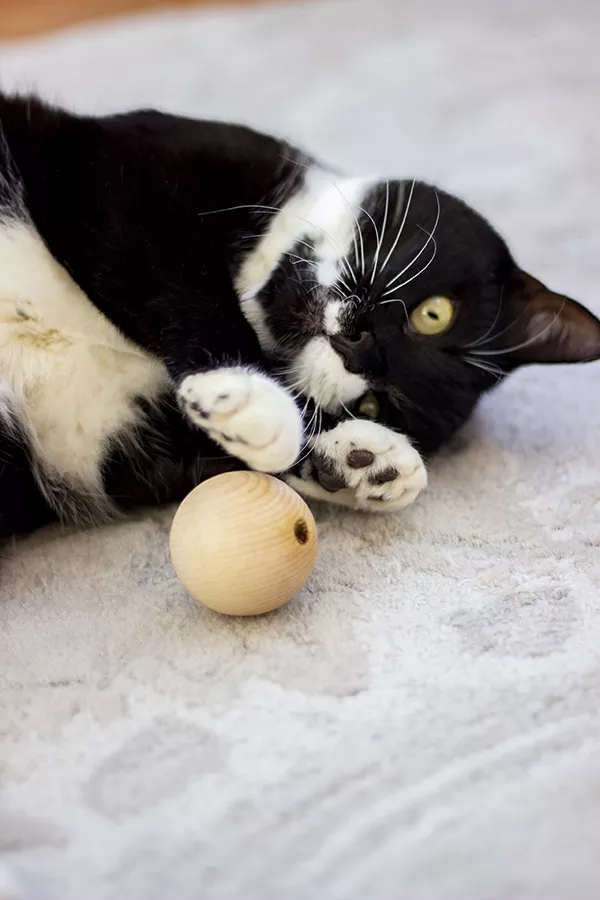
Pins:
<point x="433" y="316"/>
<point x="369" y="406"/>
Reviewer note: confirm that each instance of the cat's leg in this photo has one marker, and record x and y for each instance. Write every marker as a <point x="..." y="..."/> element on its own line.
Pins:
<point x="361" y="464"/>
<point x="217" y="369"/>
<point x="248" y="413"/>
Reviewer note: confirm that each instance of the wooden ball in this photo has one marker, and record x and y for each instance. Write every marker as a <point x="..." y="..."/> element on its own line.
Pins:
<point x="243" y="543"/>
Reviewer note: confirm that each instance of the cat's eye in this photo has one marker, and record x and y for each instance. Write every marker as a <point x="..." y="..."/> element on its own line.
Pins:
<point x="433" y="316"/>
<point x="369" y="406"/>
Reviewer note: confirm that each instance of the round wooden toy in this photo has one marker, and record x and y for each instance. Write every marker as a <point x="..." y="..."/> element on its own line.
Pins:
<point x="243" y="543"/>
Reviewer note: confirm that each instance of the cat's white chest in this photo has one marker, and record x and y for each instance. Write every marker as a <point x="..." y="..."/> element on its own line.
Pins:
<point x="70" y="373"/>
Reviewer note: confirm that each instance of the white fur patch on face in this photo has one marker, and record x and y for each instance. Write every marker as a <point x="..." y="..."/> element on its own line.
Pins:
<point x="334" y="309"/>
<point x="68" y="371"/>
<point x="334" y="220"/>
<point x="328" y="271"/>
<point x="285" y="229"/>
<point x="323" y="214"/>
<point x="319" y="373"/>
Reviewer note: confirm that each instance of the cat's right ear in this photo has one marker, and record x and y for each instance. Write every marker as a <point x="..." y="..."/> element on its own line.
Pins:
<point x="549" y="327"/>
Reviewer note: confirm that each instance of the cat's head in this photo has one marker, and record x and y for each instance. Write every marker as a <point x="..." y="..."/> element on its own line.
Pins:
<point x="395" y="301"/>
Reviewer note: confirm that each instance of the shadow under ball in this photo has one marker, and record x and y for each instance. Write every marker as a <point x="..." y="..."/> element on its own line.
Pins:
<point x="243" y="543"/>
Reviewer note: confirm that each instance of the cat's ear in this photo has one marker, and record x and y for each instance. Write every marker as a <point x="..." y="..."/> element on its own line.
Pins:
<point x="550" y="327"/>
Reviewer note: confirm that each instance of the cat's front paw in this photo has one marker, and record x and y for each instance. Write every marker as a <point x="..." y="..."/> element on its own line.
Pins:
<point x="250" y="416"/>
<point x="370" y="466"/>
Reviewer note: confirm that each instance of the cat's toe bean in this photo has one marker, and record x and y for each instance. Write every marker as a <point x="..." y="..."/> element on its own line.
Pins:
<point x="198" y="409"/>
<point x="388" y="474"/>
<point x="359" y="459"/>
<point x="331" y="483"/>
<point x="327" y="474"/>
<point x="397" y="486"/>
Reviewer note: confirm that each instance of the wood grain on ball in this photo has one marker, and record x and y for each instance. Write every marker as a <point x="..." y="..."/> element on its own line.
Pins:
<point x="243" y="543"/>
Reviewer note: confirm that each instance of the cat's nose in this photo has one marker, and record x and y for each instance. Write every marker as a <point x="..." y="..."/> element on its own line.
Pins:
<point x="358" y="353"/>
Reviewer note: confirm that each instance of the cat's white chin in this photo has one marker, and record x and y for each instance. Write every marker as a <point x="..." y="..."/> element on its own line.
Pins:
<point x="318" y="372"/>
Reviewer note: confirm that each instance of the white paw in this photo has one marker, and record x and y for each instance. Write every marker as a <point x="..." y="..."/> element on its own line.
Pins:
<point x="250" y="416"/>
<point x="365" y="465"/>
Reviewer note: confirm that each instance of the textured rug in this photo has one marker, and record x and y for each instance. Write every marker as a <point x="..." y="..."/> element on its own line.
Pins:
<point x="422" y="722"/>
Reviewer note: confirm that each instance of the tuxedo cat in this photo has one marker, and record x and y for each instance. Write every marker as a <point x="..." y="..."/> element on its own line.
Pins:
<point x="179" y="298"/>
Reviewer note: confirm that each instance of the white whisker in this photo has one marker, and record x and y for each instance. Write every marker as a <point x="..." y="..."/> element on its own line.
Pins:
<point x="397" y="300"/>
<point x="371" y="220"/>
<point x="412" y="278"/>
<point x="491" y="369"/>
<point x="498" y="334"/>
<point x="383" y="227"/>
<point x="402" y="224"/>
<point x="358" y="229"/>
<point x="362" y="247"/>
<point x="212" y="212"/>
<point x="277" y="209"/>
<point x="300" y="259"/>
<point x="482" y="340"/>
<point x="374" y="224"/>
<point x="294" y="386"/>
<point x="423" y="248"/>
<point x="527" y="343"/>
<point x="317" y="417"/>
<point x="332" y="287"/>
<point x="305" y="407"/>
<point x="344" y="258"/>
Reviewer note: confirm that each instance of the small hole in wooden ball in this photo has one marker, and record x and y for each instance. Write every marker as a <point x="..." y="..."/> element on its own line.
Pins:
<point x="301" y="531"/>
<point x="243" y="543"/>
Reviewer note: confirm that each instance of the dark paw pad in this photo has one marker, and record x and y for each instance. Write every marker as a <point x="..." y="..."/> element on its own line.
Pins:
<point x="326" y="474"/>
<point x="197" y="408"/>
<point x="389" y="474"/>
<point x="360" y="459"/>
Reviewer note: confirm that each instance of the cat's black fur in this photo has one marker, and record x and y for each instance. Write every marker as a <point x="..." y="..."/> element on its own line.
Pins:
<point x="152" y="215"/>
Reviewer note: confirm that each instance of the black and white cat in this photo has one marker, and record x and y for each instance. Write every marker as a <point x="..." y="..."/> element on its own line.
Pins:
<point x="179" y="298"/>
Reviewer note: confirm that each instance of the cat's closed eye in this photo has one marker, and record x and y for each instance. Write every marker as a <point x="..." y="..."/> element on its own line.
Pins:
<point x="433" y="316"/>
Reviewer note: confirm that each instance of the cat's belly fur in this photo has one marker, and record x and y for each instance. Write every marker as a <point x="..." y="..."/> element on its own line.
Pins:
<point x="66" y="372"/>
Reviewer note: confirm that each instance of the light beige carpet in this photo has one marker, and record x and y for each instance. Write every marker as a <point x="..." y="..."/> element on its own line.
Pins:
<point x="423" y="722"/>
